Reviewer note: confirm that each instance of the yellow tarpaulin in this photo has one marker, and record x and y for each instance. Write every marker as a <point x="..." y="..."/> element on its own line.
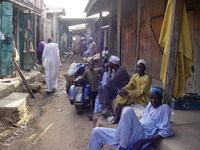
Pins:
<point x="184" y="59"/>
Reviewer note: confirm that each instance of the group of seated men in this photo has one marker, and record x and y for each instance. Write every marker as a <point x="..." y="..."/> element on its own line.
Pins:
<point x="130" y="133"/>
<point x="116" y="85"/>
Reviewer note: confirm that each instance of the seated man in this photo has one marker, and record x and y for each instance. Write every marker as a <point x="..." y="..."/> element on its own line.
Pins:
<point x="133" y="134"/>
<point x="92" y="77"/>
<point x="115" y="82"/>
<point x="136" y="91"/>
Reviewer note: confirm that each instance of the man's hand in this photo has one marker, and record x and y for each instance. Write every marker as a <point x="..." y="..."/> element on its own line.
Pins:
<point x="122" y="92"/>
<point x="138" y="145"/>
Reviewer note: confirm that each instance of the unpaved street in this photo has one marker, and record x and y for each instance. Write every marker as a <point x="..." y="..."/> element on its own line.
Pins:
<point x="61" y="128"/>
<point x="51" y="124"/>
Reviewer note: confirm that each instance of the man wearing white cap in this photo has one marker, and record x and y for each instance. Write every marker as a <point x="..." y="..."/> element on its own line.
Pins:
<point x="114" y="82"/>
<point x="136" y="91"/>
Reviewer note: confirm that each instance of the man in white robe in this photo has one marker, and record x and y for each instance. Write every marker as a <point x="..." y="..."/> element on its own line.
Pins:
<point x="51" y="63"/>
<point x="132" y="134"/>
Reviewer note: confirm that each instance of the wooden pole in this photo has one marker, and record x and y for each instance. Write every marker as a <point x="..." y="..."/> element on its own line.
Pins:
<point x="173" y="49"/>
<point x="119" y="16"/>
<point x="100" y="46"/>
<point x="138" y="32"/>
<point x="23" y="79"/>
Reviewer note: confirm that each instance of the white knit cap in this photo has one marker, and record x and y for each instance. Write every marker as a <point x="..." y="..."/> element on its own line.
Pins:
<point x="142" y="61"/>
<point x="114" y="59"/>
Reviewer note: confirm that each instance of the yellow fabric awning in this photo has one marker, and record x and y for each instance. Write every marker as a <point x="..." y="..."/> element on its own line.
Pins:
<point x="184" y="60"/>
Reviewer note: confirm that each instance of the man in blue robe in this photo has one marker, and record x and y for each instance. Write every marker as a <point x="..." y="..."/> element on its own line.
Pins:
<point x="132" y="134"/>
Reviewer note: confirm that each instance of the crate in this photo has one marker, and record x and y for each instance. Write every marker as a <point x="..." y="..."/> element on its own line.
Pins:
<point x="187" y="102"/>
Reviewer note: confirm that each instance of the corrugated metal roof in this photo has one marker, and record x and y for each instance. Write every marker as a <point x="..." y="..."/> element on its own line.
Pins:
<point x="60" y="11"/>
<point x="27" y="6"/>
<point x="76" y="21"/>
<point x="97" y="6"/>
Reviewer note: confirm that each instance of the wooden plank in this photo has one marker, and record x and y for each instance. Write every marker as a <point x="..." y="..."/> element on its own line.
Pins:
<point x="23" y="79"/>
<point x="138" y="31"/>
<point x="173" y="49"/>
<point x="119" y="14"/>
<point x="110" y="30"/>
<point x="100" y="45"/>
<point x="112" y="34"/>
<point x="197" y="48"/>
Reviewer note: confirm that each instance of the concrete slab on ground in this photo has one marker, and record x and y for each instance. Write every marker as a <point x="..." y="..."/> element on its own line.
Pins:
<point x="14" y="106"/>
<point x="186" y="137"/>
<point x="16" y="84"/>
<point x="180" y="117"/>
<point x="186" y="127"/>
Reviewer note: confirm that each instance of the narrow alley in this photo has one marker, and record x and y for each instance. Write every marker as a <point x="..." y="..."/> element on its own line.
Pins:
<point x="143" y="54"/>
<point x="51" y="124"/>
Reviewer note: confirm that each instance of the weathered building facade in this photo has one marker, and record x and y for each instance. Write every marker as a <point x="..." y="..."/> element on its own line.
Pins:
<point x="25" y="23"/>
<point x="134" y="31"/>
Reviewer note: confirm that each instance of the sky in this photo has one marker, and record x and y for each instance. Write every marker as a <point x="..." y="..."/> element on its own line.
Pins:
<point x="73" y="8"/>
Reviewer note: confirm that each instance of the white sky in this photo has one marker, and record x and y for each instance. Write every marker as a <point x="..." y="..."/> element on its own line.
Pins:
<point x="73" y="8"/>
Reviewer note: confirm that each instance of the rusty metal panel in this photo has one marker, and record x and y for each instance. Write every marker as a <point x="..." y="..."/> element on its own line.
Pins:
<point x="192" y="84"/>
<point x="149" y="47"/>
<point x="128" y="36"/>
<point x="127" y="48"/>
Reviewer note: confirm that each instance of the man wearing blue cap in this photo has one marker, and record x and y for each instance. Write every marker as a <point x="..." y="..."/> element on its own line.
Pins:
<point x="132" y="134"/>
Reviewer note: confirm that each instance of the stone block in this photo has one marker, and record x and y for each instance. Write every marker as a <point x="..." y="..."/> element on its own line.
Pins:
<point x="14" y="106"/>
<point x="6" y="89"/>
<point x="36" y="86"/>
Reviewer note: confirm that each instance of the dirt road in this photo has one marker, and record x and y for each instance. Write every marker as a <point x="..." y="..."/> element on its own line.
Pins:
<point x="61" y="128"/>
<point x="53" y="123"/>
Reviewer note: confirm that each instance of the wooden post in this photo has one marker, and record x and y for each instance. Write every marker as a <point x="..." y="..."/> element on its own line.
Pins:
<point x="196" y="81"/>
<point x="100" y="45"/>
<point x="138" y="31"/>
<point x="173" y="49"/>
<point x="23" y="79"/>
<point x="119" y="16"/>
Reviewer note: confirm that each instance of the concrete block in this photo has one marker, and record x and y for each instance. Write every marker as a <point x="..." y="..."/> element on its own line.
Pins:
<point x="14" y="106"/>
<point x="2" y="112"/>
<point x="42" y="78"/>
<point x="186" y="137"/>
<point x="6" y="89"/>
<point x="36" y="86"/>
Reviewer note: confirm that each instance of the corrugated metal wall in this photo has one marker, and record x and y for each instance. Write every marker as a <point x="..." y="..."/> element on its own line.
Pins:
<point x="152" y="14"/>
<point x="151" y="22"/>
<point x="193" y="83"/>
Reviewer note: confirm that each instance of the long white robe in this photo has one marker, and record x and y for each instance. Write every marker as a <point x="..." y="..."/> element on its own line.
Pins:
<point x="130" y="129"/>
<point x="51" y="63"/>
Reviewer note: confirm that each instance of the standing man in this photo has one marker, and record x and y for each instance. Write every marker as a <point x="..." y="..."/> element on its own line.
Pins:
<point x="51" y="63"/>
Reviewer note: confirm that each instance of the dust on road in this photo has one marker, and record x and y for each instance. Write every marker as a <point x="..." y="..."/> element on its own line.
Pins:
<point x="53" y="123"/>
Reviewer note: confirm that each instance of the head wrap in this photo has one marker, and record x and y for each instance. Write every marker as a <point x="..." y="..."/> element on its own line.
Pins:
<point x="142" y="61"/>
<point x="41" y="46"/>
<point x="114" y="59"/>
<point x="156" y="89"/>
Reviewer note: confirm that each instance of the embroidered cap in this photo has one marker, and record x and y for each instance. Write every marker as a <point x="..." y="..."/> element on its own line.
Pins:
<point x="142" y="61"/>
<point x="114" y="59"/>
